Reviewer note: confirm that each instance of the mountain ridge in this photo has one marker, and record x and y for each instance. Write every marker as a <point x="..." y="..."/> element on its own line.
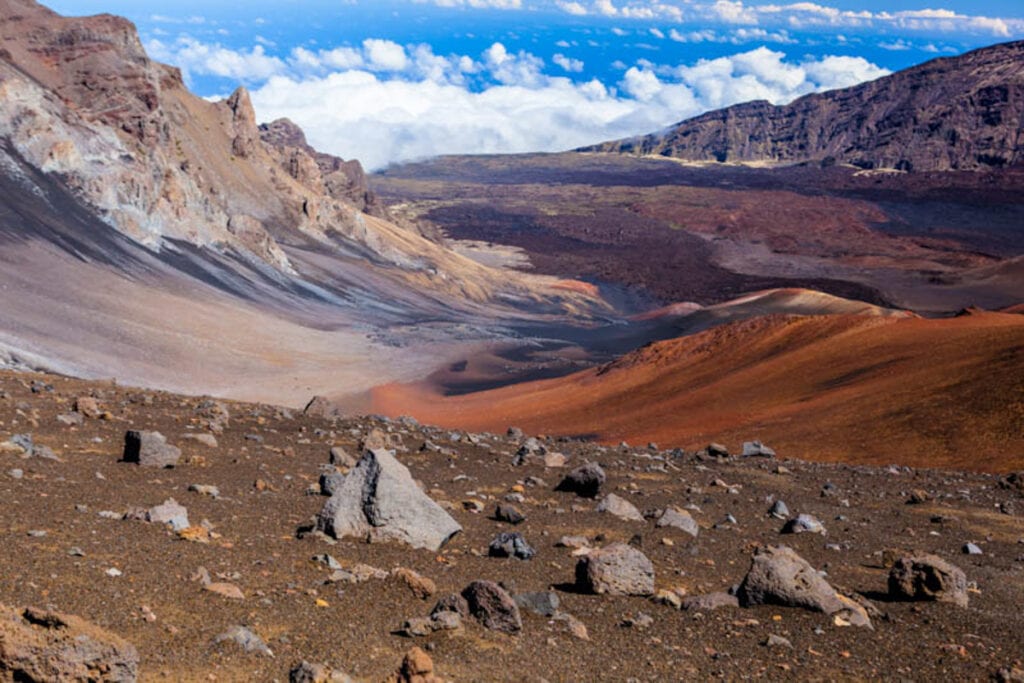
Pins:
<point x="952" y="113"/>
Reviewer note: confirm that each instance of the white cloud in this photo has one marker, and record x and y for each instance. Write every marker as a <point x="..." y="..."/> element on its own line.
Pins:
<point x="567" y="63"/>
<point x="385" y="55"/>
<point x="195" y="56"/>
<point x="379" y="118"/>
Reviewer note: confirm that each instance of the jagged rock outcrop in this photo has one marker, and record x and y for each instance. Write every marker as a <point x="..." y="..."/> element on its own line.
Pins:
<point x="957" y="113"/>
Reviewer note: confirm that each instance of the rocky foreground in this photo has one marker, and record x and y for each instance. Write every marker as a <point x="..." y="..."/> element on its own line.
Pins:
<point x="156" y="536"/>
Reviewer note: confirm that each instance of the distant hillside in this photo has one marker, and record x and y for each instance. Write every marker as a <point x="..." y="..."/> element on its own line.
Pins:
<point x="958" y="113"/>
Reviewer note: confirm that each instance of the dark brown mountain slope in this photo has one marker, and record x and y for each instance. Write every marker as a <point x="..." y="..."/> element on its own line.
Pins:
<point x="964" y="112"/>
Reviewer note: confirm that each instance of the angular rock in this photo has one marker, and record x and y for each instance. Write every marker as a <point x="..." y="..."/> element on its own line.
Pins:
<point x="779" y="510"/>
<point x="717" y="450"/>
<point x="510" y="545"/>
<point x="802" y="524"/>
<point x="421" y="586"/>
<point x="509" y="514"/>
<point x="331" y="482"/>
<point x="452" y="603"/>
<point x="585" y="481"/>
<point x="380" y="501"/>
<point x="756" y="449"/>
<point x="927" y="577"/>
<point x="679" y="519"/>
<point x="620" y="507"/>
<point x="493" y="607"/>
<point x="208" y="440"/>
<point x="617" y="569"/>
<point x="71" y="419"/>
<point x="39" y="645"/>
<point x="544" y="603"/>
<point x="149" y="449"/>
<point x="778" y="576"/>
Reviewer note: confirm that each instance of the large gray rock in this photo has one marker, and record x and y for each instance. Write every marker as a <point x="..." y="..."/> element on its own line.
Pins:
<point x="507" y="544"/>
<point x="928" y="577"/>
<point x="679" y="519"/>
<point x="778" y="576"/>
<point x="617" y="569"/>
<point x="380" y="501"/>
<point x="620" y="507"/>
<point x="37" y="645"/>
<point x="493" y="607"/>
<point x="169" y="512"/>
<point x="150" y="449"/>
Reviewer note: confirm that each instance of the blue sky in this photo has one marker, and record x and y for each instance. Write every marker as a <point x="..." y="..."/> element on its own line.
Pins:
<point x="392" y="80"/>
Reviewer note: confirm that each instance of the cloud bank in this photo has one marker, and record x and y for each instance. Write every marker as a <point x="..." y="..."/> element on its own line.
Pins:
<point x="383" y="102"/>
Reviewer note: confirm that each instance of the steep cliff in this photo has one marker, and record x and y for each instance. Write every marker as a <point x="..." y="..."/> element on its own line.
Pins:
<point x="957" y="113"/>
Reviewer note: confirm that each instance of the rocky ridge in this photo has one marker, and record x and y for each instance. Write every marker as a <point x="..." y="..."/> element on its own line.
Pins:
<point x="955" y="113"/>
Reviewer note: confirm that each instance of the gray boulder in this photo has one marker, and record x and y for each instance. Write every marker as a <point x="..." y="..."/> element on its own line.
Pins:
<point x="804" y="524"/>
<point x="379" y="501"/>
<point x="679" y="519"/>
<point x="778" y="576"/>
<point x="928" y="577"/>
<point x="620" y="507"/>
<point x="617" y="569"/>
<point x="149" y="449"/>
<point x="37" y="645"/>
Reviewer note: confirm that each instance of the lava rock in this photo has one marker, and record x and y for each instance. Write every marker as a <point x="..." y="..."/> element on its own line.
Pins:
<point x="245" y="639"/>
<point x="678" y="519"/>
<point x="620" y="507"/>
<point x="778" y="576"/>
<point x="927" y="577"/>
<point x="709" y="602"/>
<point x="617" y="569"/>
<point x="149" y="449"/>
<point x="804" y="524"/>
<point x="756" y="449"/>
<point x="544" y="603"/>
<point x="585" y="481"/>
<point x="509" y="514"/>
<point x="508" y="544"/>
<point x="380" y="501"/>
<point x="493" y="607"/>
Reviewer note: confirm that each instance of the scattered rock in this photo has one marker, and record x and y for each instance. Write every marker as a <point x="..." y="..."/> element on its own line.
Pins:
<point x="717" y="450"/>
<point x="544" y="603"/>
<point x="509" y="514"/>
<point x="508" y="544"/>
<point x="679" y="519"/>
<point x="555" y="460"/>
<point x="245" y="639"/>
<point x="573" y="625"/>
<point x="918" y="497"/>
<point x="617" y="569"/>
<point x="421" y="586"/>
<point x="756" y="449"/>
<point x="804" y="523"/>
<point x="149" y="449"/>
<point x="710" y="602"/>
<point x="205" y="490"/>
<point x="417" y="667"/>
<point x="452" y="603"/>
<point x="927" y="577"/>
<point x="380" y="501"/>
<point x="972" y="549"/>
<point x="316" y="673"/>
<point x="585" y="481"/>
<point x="39" y="645"/>
<point x="169" y="512"/>
<point x="778" y="576"/>
<point x="777" y="641"/>
<point x="620" y="507"/>
<point x="224" y="589"/>
<point x="71" y="419"/>
<point x="779" y="510"/>
<point x="88" y="407"/>
<point x="493" y="607"/>
<point x="320" y="406"/>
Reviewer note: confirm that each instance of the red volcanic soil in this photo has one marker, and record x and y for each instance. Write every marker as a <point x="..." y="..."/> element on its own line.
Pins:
<point x="856" y="389"/>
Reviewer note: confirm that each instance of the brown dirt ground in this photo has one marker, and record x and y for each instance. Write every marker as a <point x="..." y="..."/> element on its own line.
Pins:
<point x="259" y="548"/>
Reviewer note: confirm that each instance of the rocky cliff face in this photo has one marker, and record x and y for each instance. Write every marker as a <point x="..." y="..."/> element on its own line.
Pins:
<point x="81" y="102"/>
<point x="960" y="113"/>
